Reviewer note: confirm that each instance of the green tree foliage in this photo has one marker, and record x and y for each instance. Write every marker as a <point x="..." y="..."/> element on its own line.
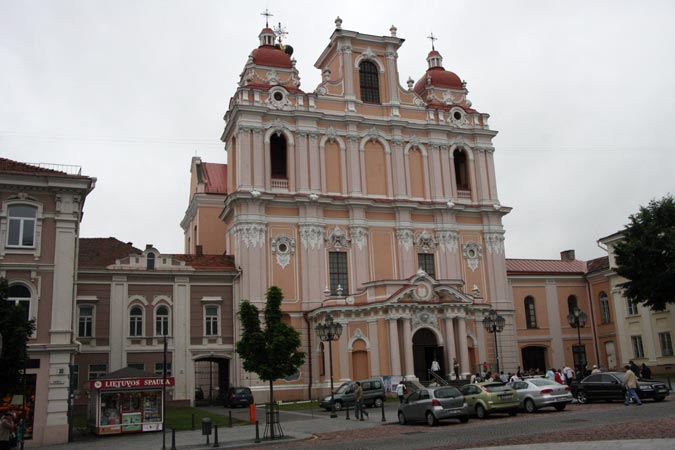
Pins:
<point x="15" y="330"/>
<point x="646" y="255"/>
<point x="272" y="352"/>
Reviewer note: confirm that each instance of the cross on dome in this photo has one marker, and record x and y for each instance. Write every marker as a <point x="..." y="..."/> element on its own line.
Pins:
<point x="432" y="38"/>
<point x="267" y="15"/>
<point x="280" y="31"/>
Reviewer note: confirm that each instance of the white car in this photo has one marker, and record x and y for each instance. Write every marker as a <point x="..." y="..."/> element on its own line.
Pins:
<point x="535" y="393"/>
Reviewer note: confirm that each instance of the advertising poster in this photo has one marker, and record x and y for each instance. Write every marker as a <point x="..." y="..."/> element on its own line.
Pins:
<point x="131" y="422"/>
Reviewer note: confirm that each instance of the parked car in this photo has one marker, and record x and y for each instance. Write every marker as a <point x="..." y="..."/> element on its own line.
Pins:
<point x="373" y="394"/>
<point x="608" y="386"/>
<point x="535" y="393"/>
<point x="432" y="405"/>
<point x="490" y="397"/>
<point x="238" y="396"/>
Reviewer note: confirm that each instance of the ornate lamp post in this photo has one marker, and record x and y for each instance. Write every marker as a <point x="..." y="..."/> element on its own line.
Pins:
<point x="577" y="319"/>
<point x="494" y="323"/>
<point x="330" y="331"/>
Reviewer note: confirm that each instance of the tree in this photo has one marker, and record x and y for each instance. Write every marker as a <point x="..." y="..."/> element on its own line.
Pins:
<point x="646" y="255"/>
<point x="271" y="353"/>
<point x="15" y="329"/>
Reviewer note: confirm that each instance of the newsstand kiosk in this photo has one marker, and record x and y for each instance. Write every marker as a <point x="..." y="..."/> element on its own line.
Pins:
<point x="127" y="401"/>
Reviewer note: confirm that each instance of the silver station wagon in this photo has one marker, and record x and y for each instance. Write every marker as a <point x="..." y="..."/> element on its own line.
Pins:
<point x="433" y="404"/>
<point x="535" y="393"/>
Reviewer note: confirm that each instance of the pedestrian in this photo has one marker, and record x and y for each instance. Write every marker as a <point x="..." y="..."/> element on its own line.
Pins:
<point x="20" y="432"/>
<point x="435" y="367"/>
<point x="455" y="366"/>
<point x="550" y="374"/>
<point x="514" y="378"/>
<point x="645" y="372"/>
<point x="485" y="369"/>
<point x="359" y="410"/>
<point x="401" y="390"/>
<point x="595" y="369"/>
<point x="569" y="374"/>
<point x="502" y="377"/>
<point x="557" y="376"/>
<point x="630" y="382"/>
<point x="519" y="373"/>
<point x="634" y="368"/>
<point x="6" y="431"/>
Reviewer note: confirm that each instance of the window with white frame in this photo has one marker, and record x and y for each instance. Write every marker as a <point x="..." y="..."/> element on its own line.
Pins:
<point x="638" y="350"/>
<point x="85" y="321"/>
<point x="159" y="369"/>
<point x="211" y="314"/>
<point x="97" y="371"/>
<point x="20" y="295"/>
<point x="136" y="321"/>
<point x="337" y="265"/>
<point x="604" y="308"/>
<point x="632" y="307"/>
<point x="162" y="321"/>
<point x="425" y="261"/>
<point x="666" y="344"/>
<point x="22" y="223"/>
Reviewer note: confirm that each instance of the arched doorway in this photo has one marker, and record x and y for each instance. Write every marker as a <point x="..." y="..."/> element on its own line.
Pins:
<point x="212" y="379"/>
<point x="360" y="365"/>
<point x="534" y="358"/>
<point x="425" y="350"/>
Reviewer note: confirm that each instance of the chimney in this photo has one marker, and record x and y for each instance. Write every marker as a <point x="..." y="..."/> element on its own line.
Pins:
<point x="148" y="246"/>
<point x="567" y="255"/>
<point x="199" y="250"/>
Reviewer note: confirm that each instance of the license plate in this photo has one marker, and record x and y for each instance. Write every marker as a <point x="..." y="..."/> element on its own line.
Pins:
<point x="505" y="396"/>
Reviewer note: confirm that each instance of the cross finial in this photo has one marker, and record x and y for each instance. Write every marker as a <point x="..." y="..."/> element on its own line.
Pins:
<point x="280" y="32"/>
<point x="432" y="38"/>
<point x="267" y="15"/>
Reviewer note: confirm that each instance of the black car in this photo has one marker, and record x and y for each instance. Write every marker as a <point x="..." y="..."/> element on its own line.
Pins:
<point x="238" y="396"/>
<point x="608" y="386"/>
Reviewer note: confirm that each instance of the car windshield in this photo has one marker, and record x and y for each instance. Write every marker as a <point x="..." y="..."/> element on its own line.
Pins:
<point x="242" y="390"/>
<point x="447" y="392"/>
<point x="543" y="382"/>
<point x="497" y="387"/>
<point x="344" y="388"/>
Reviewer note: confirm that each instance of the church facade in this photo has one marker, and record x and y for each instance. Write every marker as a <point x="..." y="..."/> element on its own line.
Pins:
<point x="367" y="201"/>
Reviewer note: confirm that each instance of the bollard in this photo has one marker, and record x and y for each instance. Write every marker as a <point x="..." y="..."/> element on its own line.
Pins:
<point x="215" y="437"/>
<point x="173" y="439"/>
<point x="383" y="419"/>
<point x="257" y="433"/>
<point x="347" y="409"/>
<point x="193" y="422"/>
<point x="229" y="420"/>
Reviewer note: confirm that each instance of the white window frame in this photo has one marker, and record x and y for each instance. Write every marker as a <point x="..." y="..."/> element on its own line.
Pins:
<point x="22" y="221"/>
<point x="666" y="343"/>
<point x="605" y="313"/>
<point x="131" y="308"/>
<point x="168" y="320"/>
<point x="5" y="247"/>
<point x="638" y="348"/>
<point x="632" y="307"/>
<point x="208" y="321"/>
<point x="32" y="301"/>
<point x="92" y="318"/>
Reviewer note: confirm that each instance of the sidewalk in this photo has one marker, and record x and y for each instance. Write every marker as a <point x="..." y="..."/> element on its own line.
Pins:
<point x="637" y="444"/>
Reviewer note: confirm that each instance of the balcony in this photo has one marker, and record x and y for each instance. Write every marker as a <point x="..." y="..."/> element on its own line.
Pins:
<point x="280" y="183"/>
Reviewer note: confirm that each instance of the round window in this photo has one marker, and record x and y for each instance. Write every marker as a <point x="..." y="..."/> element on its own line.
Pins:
<point x="457" y="115"/>
<point x="471" y="253"/>
<point x="278" y="96"/>
<point x="283" y="248"/>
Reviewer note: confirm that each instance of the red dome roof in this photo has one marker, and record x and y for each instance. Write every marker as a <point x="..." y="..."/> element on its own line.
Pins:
<point x="439" y="78"/>
<point x="269" y="56"/>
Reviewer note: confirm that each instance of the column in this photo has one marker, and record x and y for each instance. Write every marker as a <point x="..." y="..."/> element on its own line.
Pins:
<point x="258" y="159"/>
<point x="451" y="351"/>
<point x="343" y="353"/>
<point x="408" y="350"/>
<point x="394" y="352"/>
<point x="374" y="348"/>
<point x="180" y="342"/>
<point x="463" y="348"/>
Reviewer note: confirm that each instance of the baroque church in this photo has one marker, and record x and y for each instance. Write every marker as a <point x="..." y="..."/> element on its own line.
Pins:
<point x="364" y="200"/>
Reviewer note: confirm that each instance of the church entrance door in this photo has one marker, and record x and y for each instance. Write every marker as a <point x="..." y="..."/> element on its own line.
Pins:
<point x="534" y="358"/>
<point x="425" y="350"/>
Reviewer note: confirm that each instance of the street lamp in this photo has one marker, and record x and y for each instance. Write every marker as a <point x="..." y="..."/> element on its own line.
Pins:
<point x="330" y="331"/>
<point x="577" y="319"/>
<point x="494" y="323"/>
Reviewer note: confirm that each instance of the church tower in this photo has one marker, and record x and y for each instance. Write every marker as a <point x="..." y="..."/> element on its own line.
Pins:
<point x="368" y="201"/>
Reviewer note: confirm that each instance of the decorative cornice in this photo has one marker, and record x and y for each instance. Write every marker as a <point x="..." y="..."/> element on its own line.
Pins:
<point x="251" y="234"/>
<point x="311" y="235"/>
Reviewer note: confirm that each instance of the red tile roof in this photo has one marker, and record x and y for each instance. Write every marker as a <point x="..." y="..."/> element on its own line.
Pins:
<point x="207" y="262"/>
<point x="598" y="264"/>
<point x="539" y="266"/>
<point x="214" y="176"/>
<point x="7" y="165"/>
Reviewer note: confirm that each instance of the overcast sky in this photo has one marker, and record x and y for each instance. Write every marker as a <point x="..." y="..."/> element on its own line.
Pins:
<point x="582" y="94"/>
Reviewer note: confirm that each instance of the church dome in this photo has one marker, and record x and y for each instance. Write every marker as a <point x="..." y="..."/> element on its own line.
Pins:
<point x="267" y="55"/>
<point x="437" y="76"/>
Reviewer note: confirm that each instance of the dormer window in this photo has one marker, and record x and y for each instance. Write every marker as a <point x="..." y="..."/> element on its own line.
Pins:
<point x="369" y="82"/>
<point x="150" y="261"/>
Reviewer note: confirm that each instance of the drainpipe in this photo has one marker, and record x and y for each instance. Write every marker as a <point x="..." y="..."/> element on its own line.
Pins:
<point x="309" y="354"/>
<point x="593" y="330"/>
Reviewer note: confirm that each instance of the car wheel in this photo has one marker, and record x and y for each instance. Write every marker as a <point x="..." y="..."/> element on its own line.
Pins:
<point x="480" y="412"/>
<point x="513" y="412"/>
<point x="431" y="419"/>
<point x="530" y="406"/>
<point x="378" y="402"/>
<point x="464" y="419"/>
<point x="581" y="397"/>
<point x="659" y="398"/>
<point x="560" y="407"/>
<point x="401" y="418"/>
<point x="338" y="405"/>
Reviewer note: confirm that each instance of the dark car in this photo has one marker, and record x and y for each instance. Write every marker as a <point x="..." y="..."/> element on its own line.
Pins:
<point x="238" y="396"/>
<point x="608" y="386"/>
<point x="433" y="404"/>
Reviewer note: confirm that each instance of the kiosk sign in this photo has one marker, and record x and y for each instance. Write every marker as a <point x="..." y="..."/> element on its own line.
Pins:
<point x="131" y="383"/>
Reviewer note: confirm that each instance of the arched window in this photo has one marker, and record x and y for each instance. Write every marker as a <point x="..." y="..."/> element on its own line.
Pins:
<point x="22" y="221"/>
<point x="571" y="304"/>
<point x="604" y="308"/>
<point x="461" y="171"/>
<point x="530" y="312"/>
<point x="20" y="295"/>
<point x="369" y="82"/>
<point x="136" y="321"/>
<point x="278" y="156"/>
<point x="150" y="261"/>
<point x="162" y="321"/>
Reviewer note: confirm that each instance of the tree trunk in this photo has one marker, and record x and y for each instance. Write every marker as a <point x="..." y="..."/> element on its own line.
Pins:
<point x="271" y="410"/>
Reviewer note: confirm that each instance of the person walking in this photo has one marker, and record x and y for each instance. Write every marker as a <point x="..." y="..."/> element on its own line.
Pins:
<point x="6" y="430"/>
<point x="359" y="410"/>
<point x="569" y="374"/>
<point x="630" y="382"/>
<point x="645" y="372"/>
<point x="401" y="391"/>
<point x="435" y="367"/>
<point x="455" y="366"/>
